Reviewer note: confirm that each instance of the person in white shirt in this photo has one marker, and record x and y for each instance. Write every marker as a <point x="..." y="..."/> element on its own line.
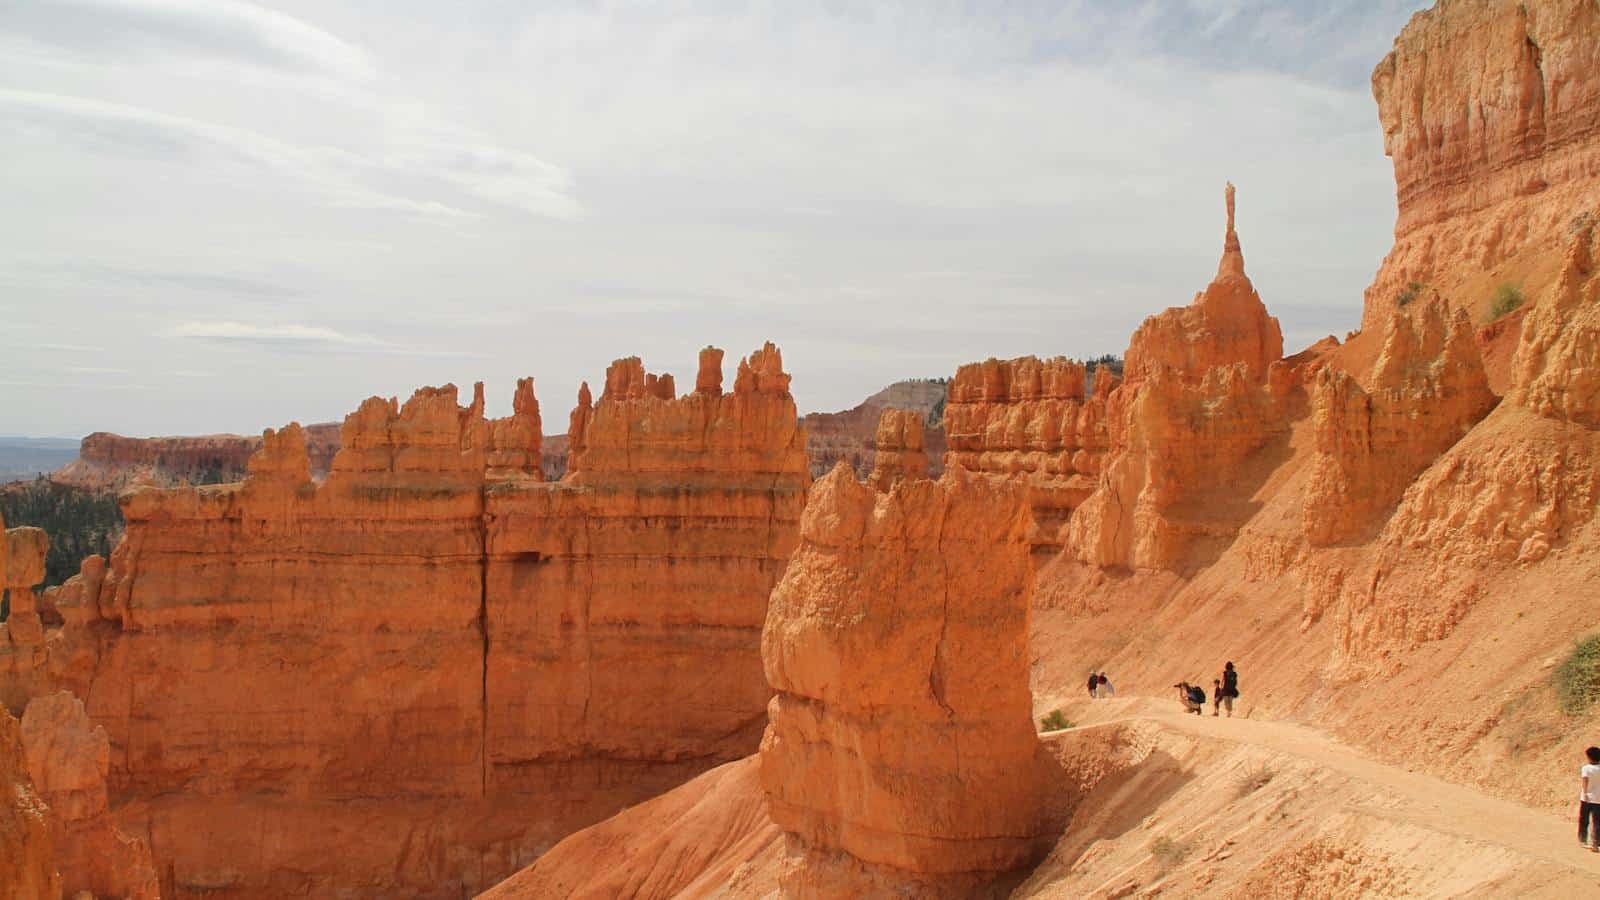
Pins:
<point x="1589" y="801"/>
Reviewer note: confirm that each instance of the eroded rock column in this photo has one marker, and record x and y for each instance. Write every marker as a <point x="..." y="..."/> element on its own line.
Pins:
<point x="900" y="757"/>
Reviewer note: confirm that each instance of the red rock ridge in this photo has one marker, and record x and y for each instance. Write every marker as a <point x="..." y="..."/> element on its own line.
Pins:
<point x="1491" y="114"/>
<point x="432" y="659"/>
<point x="112" y="461"/>
<point x="900" y="758"/>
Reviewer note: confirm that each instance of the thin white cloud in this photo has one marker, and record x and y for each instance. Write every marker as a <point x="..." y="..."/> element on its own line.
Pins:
<point x="229" y="29"/>
<point x="129" y="130"/>
<point x="273" y="334"/>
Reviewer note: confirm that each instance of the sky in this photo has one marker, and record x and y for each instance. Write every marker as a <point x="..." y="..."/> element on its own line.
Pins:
<point x="223" y="216"/>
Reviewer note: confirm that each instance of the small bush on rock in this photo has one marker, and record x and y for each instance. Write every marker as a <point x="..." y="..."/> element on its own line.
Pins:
<point x="1054" y="722"/>
<point x="1577" y="679"/>
<point x="1507" y="297"/>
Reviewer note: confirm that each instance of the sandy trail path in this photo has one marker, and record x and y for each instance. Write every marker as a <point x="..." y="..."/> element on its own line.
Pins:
<point x="1420" y="799"/>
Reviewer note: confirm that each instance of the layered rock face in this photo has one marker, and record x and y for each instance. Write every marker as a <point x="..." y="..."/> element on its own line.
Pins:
<point x="112" y="461"/>
<point x="1427" y="389"/>
<point x="27" y="858"/>
<point x="901" y="453"/>
<point x="625" y="604"/>
<point x="900" y="758"/>
<point x="1491" y="114"/>
<point x="849" y="436"/>
<point x="68" y="759"/>
<point x="433" y="659"/>
<point x="1206" y="388"/>
<point x="1031" y="420"/>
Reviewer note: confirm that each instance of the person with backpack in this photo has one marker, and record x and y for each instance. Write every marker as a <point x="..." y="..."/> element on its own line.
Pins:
<point x="1192" y="696"/>
<point x="1094" y="685"/>
<point x="1229" y="690"/>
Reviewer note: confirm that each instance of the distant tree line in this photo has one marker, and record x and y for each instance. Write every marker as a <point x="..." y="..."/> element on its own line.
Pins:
<point x="80" y="522"/>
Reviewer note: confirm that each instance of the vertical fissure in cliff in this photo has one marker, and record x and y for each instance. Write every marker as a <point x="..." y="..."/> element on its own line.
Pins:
<point x="483" y="631"/>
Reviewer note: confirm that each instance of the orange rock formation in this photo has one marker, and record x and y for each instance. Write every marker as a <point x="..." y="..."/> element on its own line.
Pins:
<point x="1426" y="391"/>
<point x="112" y="461"/>
<point x="1030" y="419"/>
<point x="1491" y="113"/>
<point x="900" y="758"/>
<point x="433" y="659"/>
<point x="900" y="452"/>
<point x="68" y="760"/>
<point x="27" y="857"/>
<point x="1205" y="390"/>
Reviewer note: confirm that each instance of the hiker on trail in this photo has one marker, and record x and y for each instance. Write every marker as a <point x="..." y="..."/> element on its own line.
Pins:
<point x="1192" y="696"/>
<point x="1589" y="801"/>
<point x="1229" y="689"/>
<point x="1106" y="690"/>
<point x="1216" y="696"/>
<point x="1094" y="685"/>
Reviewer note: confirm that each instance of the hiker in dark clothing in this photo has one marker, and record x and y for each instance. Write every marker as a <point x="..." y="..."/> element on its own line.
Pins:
<point x="1094" y="685"/>
<point x="1192" y="697"/>
<point x="1216" y="695"/>
<point x="1229" y="689"/>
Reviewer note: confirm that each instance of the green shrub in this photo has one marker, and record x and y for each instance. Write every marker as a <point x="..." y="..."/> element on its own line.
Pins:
<point x="1167" y="851"/>
<point x="1507" y="297"/>
<point x="1409" y="293"/>
<point x="1577" y="679"/>
<point x="1054" y="722"/>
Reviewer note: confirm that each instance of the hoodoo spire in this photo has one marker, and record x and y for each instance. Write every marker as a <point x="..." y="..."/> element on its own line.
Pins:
<point x="1232" y="257"/>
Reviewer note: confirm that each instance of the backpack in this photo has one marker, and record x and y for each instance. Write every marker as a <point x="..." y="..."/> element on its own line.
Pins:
<point x="1196" y="695"/>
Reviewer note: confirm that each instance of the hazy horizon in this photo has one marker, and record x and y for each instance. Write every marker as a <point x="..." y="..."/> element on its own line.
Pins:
<point x="227" y="215"/>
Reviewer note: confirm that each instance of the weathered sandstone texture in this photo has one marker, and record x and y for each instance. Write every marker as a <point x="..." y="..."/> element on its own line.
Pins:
<point x="27" y="857"/>
<point x="901" y="453"/>
<point x="22" y="639"/>
<point x="900" y="758"/>
<point x="68" y="759"/>
<point x="112" y="461"/>
<point x="1427" y="389"/>
<point x="1031" y="420"/>
<point x="433" y="660"/>
<point x="849" y="435"/>
<point x="1557" y="366"/>
<point x="1206" y="388"/>
<point x="1491" y="113"/>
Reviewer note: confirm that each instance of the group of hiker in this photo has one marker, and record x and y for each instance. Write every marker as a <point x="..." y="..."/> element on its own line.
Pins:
<point x="1100" y="686"/>
<point x="1224" y="691"/>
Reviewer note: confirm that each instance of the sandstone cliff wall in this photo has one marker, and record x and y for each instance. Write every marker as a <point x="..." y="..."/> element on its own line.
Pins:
<point x="433" y="660"/>
<point x="1031" y="420"/>
<point x="1491" y="113"/>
